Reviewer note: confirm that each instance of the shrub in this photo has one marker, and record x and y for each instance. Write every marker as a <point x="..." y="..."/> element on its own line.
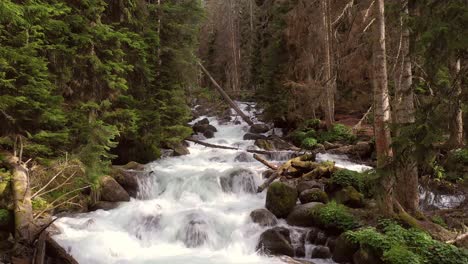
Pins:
<point x="361" y="181"/>
<point x="401" y="255"/>
<point x="309" y="143"/>
<point x="311" y="124"/>
<point x="334" y="216"/>
<point x="297" y="137"/>
<point x="339" y="132"/>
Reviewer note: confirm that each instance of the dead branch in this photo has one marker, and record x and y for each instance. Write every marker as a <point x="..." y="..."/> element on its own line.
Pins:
<point x="346" y="8"/>
<point x="47" y="184"/>
<point x="48" y="208"/>
<point x="265" y="162"/>
<point x="359" y="124"/>
<point x="267" y="183"/>
<point x="57" y="187"/>
<point x="263" y="152"/>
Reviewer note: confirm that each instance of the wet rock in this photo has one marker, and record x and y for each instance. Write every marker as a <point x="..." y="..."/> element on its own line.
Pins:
<point x="202" y="128"/>
<point x="365" y="257"/>
<point x="327" y="145"/>
<point x="243" y="157"/>
<point x="102" y="205"/>
<point x="349" y="196"/>
<point x="281" y="199"/>
<point x="252" y="136"/>
<point x="276" y="241"/>
<point x="180" y="149"/>
<point x="331" y="243"/>
<point x="321" y="252"/>
<point x="306" y="185"/>
<point x="273" y="143"/>
<point x="299" y="251"/>
<point x="132" y="165"/>
<point x="208" y="134"/>
<point x="321" y="238"/>
<point x="202" y="122"/>
<point x="263" y="217"/>
<point x="344" y="250"/>
<point x="127" y="178"/>
<point x="111" y="191"/>
<point x="312" y="235"/>
<point x="259" y="128"/>
<point x="267" y="174"/>
<point x="194" y="234"/>
<point x="239" y="180"/>
<point x="313" y="195"/>
<point x="301" y="215"/>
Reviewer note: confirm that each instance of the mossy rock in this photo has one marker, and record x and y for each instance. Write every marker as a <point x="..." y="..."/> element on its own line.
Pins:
<point x="334" y="218"/>
<point x="281" y="199"/>
<point x="349" y="196"/>
<point x="132" y="165"/>
<point x="323" y="170"/>
<point x="264" y="144"/>
<point x="313" y="195"/>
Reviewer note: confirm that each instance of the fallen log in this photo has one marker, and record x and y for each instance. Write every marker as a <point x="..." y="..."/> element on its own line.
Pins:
<point x="267" y="183"/>
<point x="226" y="96"/>
<point x="264" y="162"/>
<point x="263" y="152"/>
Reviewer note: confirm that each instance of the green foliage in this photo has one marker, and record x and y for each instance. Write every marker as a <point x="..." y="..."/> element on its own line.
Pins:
<point x="361" y="181"/>
<point x="461" y="156"/>
<point x="4" y="216"/>
<point x="310" y="124"/>
<point x="39" y="204"/>
<point x="334" y="216"/>
<point x="309" y="143"/>
<point x="339" y="132"/>
<point x="439" y="220"/>
<point x="395" y="245"/>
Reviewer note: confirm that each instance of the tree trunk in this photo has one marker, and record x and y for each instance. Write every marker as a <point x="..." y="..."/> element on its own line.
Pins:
<point x="22" y="201"/>
<point x="328" y="101"/>
<point x="456" y="125"/>
<point x="406" y="171"/>
<point x="382" y="109"/>
<point x="226" y="96"/>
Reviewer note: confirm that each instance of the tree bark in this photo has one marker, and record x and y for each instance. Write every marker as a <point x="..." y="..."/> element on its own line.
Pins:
<point x="406" y="171"/>
<point x="22" y="201"/>
<point x="382" y="109"/>
<point x="456" y="124"/>
<point x="329" y="98"/>
<point x="226" y="96"/>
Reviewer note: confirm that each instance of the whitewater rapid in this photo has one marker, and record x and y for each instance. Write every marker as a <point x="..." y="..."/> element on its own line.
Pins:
<point x="190" y="210"/>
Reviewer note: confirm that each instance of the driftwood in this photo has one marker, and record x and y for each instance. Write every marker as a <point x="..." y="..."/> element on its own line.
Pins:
<point x="265" y="162"/>
<point x="226" y="96"/>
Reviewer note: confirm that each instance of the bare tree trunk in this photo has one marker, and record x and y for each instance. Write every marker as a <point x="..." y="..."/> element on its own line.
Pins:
<point x="226" y="96"/>
<point x="382" y="109"/>
<point x="328" y="101"/>
<point x="456" y="125"/>
<point x="22" y="201"/>
<point x="406" y="171"/>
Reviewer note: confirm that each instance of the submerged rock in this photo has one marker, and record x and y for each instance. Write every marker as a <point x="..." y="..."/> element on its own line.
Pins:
<point x="239" y="180"/>
<point x="281" y="199"/>
<point x="111" y="191"/>
<point x="243" y="157"/>
<point x="195" y="232"/>
<point x="302" y="215"/>
<point x="276" y="241"/>
<point x="263" y="217"/>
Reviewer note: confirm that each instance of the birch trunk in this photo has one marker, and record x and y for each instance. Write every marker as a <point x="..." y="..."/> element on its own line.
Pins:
<point x="406" y="171"/>
<point x="382" y="109"/>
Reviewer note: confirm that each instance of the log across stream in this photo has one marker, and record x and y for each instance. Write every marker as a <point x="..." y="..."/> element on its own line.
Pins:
<point x="191" y="209"/>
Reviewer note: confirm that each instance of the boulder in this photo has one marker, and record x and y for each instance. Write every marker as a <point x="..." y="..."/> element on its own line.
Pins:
<point x="344" y="250"/>
<point x="306" y="185"/>
<point x="274" y="143"/>
<point x="239" y="180"/>
<point x="365" y="257"/>
<point x="202" y="128"/>
<point x="102" y="205"/>
<point x="313" y="195"/>
<point x="128" y="179"/>
<point x="299" y="251"/>
<point x="321" y="252"/>
<point x="276" y="241"/>
<point x="202" y="122"/>
<point x="111" y="191"/>
<point x="180" y="149"/>
<point x="263" y="217"/>
<point x="321" y="238"/>
<point x="252" y="136"/>
<point x="301" y="215"/>
<point x="243" y="157"/>
<point x="281" y="199"/>
<point x="349" y="196"/>
<point x="208" y="134"/>
<point x="259" y="128"/>
<point x="312" y="235"/>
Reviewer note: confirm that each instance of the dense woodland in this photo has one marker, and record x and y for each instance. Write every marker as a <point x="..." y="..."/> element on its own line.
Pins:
<point x="86" y="84"/>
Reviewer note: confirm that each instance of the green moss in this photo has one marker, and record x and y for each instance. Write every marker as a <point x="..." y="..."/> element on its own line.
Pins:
<point x="314" y="195"/>
<point x="39" y="204"/>
<point x="361" y="181"/>
<point x="334" y="216"/>
<point x="309" y="143"/>
<point x="339" y="132"/>
<point x="281" y="199"/>
<point x="398" y="245"/>
<point x="350" y="196"/>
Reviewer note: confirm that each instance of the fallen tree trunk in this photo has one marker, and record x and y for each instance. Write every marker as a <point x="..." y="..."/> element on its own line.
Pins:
<point x="226" y="96"/>
<point x="267" y="183"/>
<point x="264" y="152"/>
<point x="264" y="162"/>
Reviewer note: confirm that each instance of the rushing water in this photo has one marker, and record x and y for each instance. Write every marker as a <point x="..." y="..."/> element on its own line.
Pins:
<point x="191" y="209"/>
